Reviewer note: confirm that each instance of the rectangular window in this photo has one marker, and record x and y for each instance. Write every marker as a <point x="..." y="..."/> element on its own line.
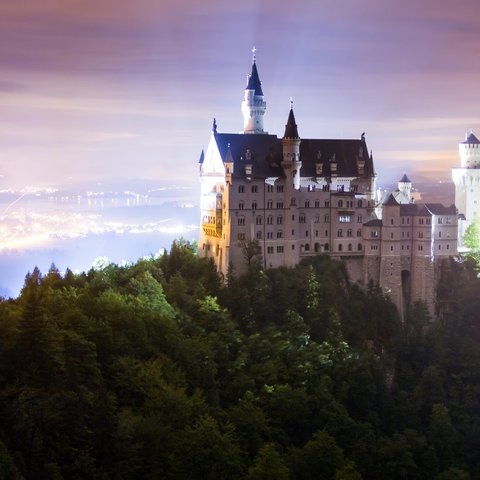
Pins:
<point x="254" y="188"/>
<point x="359" y="219"/>
<point x="311" y="188"/>
<point x="270" y="235"/>
<point x="269" y="204"/>
<point x="270" y="188"/>
<point x="269" y="249"/>
<point x="307" y="203"/>
<point x="240" y="206"/>
<point x="279" y="248"/>
<point x="279" y="188"/>
<point x="344" y="218"/>
<point x="241" y="188"/>
<point x="279" y="204"/>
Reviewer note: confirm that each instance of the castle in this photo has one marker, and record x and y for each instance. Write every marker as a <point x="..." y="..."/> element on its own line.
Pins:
<point x="467" y="183"/>
<point x="301" y="197"/>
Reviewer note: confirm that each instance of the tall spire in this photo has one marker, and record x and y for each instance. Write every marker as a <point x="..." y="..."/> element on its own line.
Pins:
<point x="291" y="129"/>
<point x="254" y="82"/>
<point x="253" y="105"/>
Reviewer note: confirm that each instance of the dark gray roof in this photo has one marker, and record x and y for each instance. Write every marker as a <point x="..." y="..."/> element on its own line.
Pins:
<point x="266" y="155"/>
<point x="291" y="129"/>
<point x="202" y="157"/>
<point x="390" y="201"/>
<point x="254" y="82"/>
<point x="405" y="179"/>
<point x="427" y="209"/>
<point x="373" y="223"/>
<point x="472" y="139"/>
<point x="439" y="209"/>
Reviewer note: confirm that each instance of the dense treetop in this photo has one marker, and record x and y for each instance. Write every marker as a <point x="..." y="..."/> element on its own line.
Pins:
<point x="159" y="370"/>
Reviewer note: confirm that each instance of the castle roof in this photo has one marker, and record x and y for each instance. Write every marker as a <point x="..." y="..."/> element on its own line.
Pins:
<point x="390" y="201"/>
<point x="426" y="209"/>
<point x="471" y="139"/>
<point x="254" y="82"/>
<point x="405" y="179"/>
<point x="266" y="154"/>
<point x="439" y="209"/>
<point x="291" y="129"/>
<point x="376" y="222"/>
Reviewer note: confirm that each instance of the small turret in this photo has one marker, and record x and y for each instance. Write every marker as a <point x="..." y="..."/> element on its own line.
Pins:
<point x="470" y="151"/>
<point x="291" y="163"/>
<point x="405" y="187"/>
<point x="253" y="105"/>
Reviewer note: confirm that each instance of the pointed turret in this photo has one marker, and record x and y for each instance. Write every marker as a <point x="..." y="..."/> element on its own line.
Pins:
<point x="253" y="105"/>
<point x="254" y="82"/>
<point x="291" y="129"/>
<point x="291" y="150"/>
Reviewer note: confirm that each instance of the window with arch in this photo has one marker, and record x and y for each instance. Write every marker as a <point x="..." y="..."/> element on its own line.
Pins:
<point x="279" y="219"/>
<point x="258" y="220"/>
<point x="241" y="220"/>
<point x="359" y="232"/>
<point x="359" y="247"/>
<point x="307" y="247"/>
<point x="340" y="203"/>
<point x="259" y="234"/>
<point x="270" y="220"/>
<point x="301" y="218"/>
<point x="254" y="205"/>
<point x="349" y="247"/>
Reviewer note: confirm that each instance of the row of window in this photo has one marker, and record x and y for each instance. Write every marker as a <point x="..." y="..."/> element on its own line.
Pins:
<point x="301" y="219"/>
<point x="310" y="188"/>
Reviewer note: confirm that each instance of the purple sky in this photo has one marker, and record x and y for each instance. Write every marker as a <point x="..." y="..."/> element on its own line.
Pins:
<point x="108" y="89"/>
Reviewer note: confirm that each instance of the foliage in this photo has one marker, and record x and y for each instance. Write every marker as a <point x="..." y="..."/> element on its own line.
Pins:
<point x="159" y="370"/>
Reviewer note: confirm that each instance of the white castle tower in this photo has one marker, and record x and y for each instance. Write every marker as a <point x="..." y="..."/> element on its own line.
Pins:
<point x="467" y="183"/>
<point x="253" y="105"/>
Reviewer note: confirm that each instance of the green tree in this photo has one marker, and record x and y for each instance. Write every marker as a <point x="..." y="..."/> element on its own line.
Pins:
<point x="471" y="239"/>
<point x="268" y="465"/>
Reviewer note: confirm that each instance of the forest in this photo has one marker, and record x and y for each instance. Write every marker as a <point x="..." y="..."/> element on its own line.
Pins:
<point x="160" y="370"/>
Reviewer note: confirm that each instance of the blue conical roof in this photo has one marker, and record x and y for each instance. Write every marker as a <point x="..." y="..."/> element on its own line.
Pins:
<point x="291" y="130"/>
<point x="254" y="82"/>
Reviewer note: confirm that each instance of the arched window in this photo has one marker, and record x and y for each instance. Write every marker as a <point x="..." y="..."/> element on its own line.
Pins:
<point x="307" y="247"/>
<point x="350" y="247"/>
<point x="258" y="220"/>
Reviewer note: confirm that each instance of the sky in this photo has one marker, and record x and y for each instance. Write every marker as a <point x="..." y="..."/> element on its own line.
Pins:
<point x="111" y="90"/>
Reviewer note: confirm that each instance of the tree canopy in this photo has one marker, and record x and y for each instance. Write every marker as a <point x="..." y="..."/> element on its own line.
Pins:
<point x="158" y="370"/>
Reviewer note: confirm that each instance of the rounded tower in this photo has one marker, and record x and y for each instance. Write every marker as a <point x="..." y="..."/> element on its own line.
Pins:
<point x="405" y="187"/>
<point x="253" y="105"/>
<point x="467" y="184"/>
<point x="469" y="151"/>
